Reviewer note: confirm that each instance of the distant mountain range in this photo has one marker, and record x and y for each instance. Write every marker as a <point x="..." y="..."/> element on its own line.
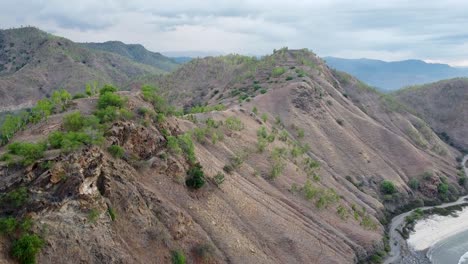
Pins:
<point x="389" y="76"/>
<point x="135" y="52"/>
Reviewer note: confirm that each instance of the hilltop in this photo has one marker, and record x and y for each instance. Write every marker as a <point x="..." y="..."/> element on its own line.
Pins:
<point x="137" y="53"/>
<point x="444" y="105"/>
<point x="389" y="76"/>
<point x="34" y="63"/>
<point x="231" y="159"/>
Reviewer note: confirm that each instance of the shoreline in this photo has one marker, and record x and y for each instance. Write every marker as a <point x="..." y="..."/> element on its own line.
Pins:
<point x="401" y="251"/>
<point x="435" y="228"/>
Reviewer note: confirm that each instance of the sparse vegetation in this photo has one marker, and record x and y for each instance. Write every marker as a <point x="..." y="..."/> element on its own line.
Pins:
<point x="414" y="184"/>
<point x="29" y="152"/>
<point x="276" y="72"/>
<point x="116" y="151"/>
<point x="178" y="257"/>
<point x="196" y="177"/>
<point x="26" y="248"/>
<point x="218" y="179"/>
<point x="234" y="123"/>
<point x="387" y="187"/>
<point x="112" y="213"/>
<point x="15" y="198"/>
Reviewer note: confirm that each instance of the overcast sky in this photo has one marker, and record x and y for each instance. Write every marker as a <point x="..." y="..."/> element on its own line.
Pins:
<point x="381" y="29"/>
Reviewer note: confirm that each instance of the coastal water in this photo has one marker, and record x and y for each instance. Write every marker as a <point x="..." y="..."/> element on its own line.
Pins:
<point x="453" y="249"/>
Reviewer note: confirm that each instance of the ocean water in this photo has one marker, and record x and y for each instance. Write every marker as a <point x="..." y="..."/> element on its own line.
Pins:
<point x="453" y="249"/>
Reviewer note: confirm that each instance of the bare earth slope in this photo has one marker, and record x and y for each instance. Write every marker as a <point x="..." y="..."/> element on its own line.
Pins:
<point x="444" y="105"/>
<point x="34" y="63"/>
<point x="303" y="151"/>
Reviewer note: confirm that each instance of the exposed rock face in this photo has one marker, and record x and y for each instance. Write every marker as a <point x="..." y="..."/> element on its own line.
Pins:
<point x="137" y="139"/>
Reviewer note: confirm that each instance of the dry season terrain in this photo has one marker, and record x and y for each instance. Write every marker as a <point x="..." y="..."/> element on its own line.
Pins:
<point x="444" y="105"/>
<point x="34" y="63"/>
<point x="273" y="160"/>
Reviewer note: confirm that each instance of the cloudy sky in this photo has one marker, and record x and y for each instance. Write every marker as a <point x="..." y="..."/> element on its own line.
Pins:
<point x="390" y="30"/>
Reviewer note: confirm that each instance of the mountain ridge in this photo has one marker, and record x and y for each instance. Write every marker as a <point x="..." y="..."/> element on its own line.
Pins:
<point x="34" y="63"/>
<point x="394" y="75"/>
<point x="135" y="52"/>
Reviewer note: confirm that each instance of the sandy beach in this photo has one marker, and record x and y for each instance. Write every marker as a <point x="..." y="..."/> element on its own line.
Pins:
<point x="429" y="231"/>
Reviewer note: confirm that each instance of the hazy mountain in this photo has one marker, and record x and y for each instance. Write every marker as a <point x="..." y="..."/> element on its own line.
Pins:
<point x="389" y="76"/>
<point x="181" y="60"/>
<point x="33" y="63"/>
<point x="136" y="52"/>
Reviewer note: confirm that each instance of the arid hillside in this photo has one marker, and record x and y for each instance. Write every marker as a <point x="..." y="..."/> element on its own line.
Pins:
<point x="444" y="106"/>
<point x="34" y="63"/>
<point x="272" y="160"/>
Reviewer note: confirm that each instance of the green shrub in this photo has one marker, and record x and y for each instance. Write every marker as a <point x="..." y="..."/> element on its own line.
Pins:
<point x="76" y="121"/>
<point x="112" y="213"/>
<point x="300" y="133"/>
<point x="79" y="96"/>
<point x="277" y="71"/>
<point x="69" y="141"/>
<point x="30" y="152"/>
<point x="262" y="133"/>
<point x="443" y="188"/>
<point x="218" y="178"/>
<point x="107" y="89"/>
<point x="255" y="110"/>
<point x="228" y="168"/>
<point x="342" y="212"/>
<point x="16" y="198"/>
<point x="61" y="98"/>
<point x="26" y="248"/>
<point x="283" y="136"/>
<point x="110" y="99"/>
<point x="178" y="257"/>
<point x="309" y="190"/>
<point x="116" y="151"/>
<point x="462" y="181"/>
<point x="173" y="145"/>
<point x="8" y="225"/>
<point x="264" y="117"/>
<point x="263" y="91"/>
<point x="196" y="177"/>
<point x="204" y="252"/>
<point x="289" y="78"/>
<point x="187" y="146"/>
<point x="42" y="110"/>
<point x="387" y="187"/>
<point x="414" y="184"/>
<point x="261" y="144"/>
<point x="93" y="215"/>
<point x="11" y="124"/>
<point x="150" y="94"/>
<point x="234" y="123"/>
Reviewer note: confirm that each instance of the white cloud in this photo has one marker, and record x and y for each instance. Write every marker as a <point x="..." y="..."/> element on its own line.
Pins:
<point x="387" y="29"/>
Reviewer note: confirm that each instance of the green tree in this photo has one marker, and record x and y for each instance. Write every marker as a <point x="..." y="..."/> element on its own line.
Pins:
<point x="387" y="187"/>
<point x="108" y="89"/>
<point x="42" y="110"/>
<point x="10" y="126"/>
<point x="196" y="176"/>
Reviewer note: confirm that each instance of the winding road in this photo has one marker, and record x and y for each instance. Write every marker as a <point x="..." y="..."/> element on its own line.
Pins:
<point x="397" y="242"/>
